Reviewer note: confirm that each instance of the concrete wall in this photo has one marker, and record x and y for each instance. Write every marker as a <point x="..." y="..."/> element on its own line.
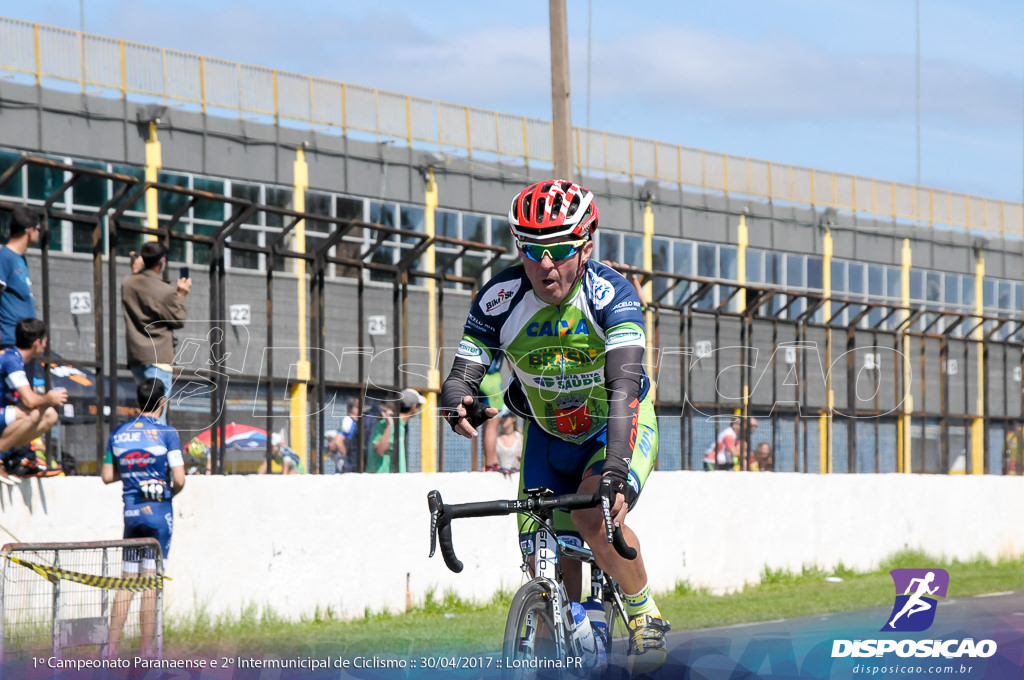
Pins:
<point x="348" y="542"/>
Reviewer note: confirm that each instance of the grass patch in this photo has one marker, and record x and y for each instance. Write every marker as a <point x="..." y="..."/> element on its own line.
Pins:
<point x="445" y="623"/>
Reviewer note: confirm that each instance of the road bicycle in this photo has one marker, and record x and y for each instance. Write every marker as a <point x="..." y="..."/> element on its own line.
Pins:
<point x="541" y="633"/>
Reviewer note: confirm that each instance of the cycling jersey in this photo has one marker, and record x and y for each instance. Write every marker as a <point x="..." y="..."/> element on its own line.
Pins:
<point x="12" y="368"/>
<point x="144" y="450"/>
<point x="557" y="352"/>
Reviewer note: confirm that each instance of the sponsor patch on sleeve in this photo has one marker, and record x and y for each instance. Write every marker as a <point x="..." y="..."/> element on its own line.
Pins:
<point x="473" y="352"/>
<point x="624" y="336"/>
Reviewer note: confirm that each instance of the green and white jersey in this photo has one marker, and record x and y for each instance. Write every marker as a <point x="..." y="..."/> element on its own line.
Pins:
<point x="557" y="352"/>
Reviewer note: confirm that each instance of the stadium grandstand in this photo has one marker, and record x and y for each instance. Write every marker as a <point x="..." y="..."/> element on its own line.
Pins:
<point x="335" y="234"/>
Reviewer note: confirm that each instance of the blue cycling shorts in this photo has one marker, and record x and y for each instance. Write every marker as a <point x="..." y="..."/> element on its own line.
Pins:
<point x="147" y="520"/>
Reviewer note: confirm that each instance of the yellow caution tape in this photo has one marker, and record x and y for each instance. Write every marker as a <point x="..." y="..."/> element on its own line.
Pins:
<point x="54" y="574"/>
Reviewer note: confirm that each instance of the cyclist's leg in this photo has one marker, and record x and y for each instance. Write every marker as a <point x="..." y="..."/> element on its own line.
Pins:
<point x="647" y="628"/>
<point x="557" y="465"/>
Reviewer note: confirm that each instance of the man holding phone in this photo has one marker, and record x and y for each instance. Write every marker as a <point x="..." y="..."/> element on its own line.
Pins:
<point x="152" y="310"/>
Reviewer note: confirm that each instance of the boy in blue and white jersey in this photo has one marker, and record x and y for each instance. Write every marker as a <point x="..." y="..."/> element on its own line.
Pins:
<point x="24" y="413"/>
<point x="146" y="456"/>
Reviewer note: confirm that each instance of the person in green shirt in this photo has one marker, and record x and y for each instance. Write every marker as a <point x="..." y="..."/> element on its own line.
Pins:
<point x="382" y="440"/>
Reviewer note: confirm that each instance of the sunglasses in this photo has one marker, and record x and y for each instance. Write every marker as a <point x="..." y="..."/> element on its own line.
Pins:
<point x="556" y="251"/>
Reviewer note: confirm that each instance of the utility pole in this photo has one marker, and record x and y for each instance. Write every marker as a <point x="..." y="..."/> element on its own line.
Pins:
<point x="561" y="114"/>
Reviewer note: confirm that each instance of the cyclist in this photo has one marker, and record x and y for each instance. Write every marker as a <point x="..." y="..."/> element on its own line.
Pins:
<point x="573" y="333"/>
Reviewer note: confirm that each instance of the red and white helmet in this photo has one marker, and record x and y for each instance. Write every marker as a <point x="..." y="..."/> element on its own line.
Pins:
<point x="553" y="208"/>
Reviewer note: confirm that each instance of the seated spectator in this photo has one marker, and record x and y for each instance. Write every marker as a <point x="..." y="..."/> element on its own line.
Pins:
<point x="26" y="413"/>
<point x="762" y="459"/>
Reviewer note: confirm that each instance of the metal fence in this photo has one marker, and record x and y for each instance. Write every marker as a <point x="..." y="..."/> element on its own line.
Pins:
<point x="59" y="598"/>
<point x="131" y="69"/>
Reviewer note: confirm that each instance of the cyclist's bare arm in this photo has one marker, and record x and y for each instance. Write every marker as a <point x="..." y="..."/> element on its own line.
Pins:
<point x="461" y="409"/>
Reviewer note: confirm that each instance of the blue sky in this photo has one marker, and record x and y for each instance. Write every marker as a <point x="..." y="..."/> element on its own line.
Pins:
<point x="827" y="85"/>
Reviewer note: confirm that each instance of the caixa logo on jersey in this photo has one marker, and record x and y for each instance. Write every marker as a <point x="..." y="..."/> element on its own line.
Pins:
<point x="912" y="612"/>
<point x="496" y="299"/>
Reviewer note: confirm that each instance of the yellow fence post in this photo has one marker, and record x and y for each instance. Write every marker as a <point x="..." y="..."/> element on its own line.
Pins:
<point x="428" y="421"/>
<point x="649" y="293"/>
<point x="298" y="412"/>
<point x="825" y="420"/>
<point x="153" y="164"/>
<point x="978" y="422"/>
<point x="903" y="460"/>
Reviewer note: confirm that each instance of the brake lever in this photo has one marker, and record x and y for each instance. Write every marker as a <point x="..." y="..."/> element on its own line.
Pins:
<point x="436" y="507"/>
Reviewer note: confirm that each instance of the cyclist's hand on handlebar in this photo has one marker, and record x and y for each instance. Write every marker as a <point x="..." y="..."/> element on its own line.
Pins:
<point x="471" y="414"/>
<point x="613" y="489"/>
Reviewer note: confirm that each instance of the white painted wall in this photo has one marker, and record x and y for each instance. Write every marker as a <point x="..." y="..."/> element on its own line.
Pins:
<point x="349" y="541"/>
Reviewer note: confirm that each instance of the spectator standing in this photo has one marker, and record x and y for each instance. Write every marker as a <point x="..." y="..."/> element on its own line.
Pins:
<point x="382" y="441"/>
<point x="16" y="301"/>
<point x="342" y="444"/>
<point x="145" y="454"/>
<point x="26" y="413"/>
<point x="152" y="309"/>
<point x="509" y="444"/>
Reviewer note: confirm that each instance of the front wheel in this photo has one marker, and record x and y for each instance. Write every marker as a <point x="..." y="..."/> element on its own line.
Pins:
<point x="531" y="638"/>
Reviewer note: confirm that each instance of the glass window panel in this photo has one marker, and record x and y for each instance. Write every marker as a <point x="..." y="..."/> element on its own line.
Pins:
<point x="140" y="203"/>
<point x="706" y="261"/>
<point x="383" y="255"/>
<point x="988" y="292"/>
<point x="201" y="252"/>
<point x="128" y="241"/>
<point x="660" y="249"/>
<point x="1005" y="295"/>
<point x="856" y="277"/>
<point x="474" y="228"/>
<point x="242" y="258"/>
<point x="773" y="268"/>
<point x="952" y="292"/>
<point x="814" y="273"/>
<point x="278" y="198"/>
<point x="446" y="223"/>
<point x="755" y="266"/>
<point x="727" y="262"/>
<point x="54" y="235"/>
<point x="838" y="276"/>
<point x="411" y="217"/>
<point x="348" y="208"/>
<point x="1017" y="297"/>
<point x="247" y="192"/>
<point x="633" y="250"/>
<point x="611" y="246"/>
<point x="13" y="186"/>
<point x="43" y="182"/>
<point x="967" y="291"/>
<point x="90" y="191"/>
<point x="473" y="266"/>
<point x="916" y="284"/>
<point x="682" y="258"/>
<point x="876" y="281"/>
<point x="933" y="286"/>
<point x="169" y="202"/>
<point x="794" y="271"/>
<point x="501" y="235"/>
<point x="892" y="287"/>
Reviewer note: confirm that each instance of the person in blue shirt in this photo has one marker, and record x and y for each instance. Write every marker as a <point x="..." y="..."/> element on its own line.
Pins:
<point x="16" y="301"/>
<point x="24" y="413"/>
<point x="146" y="456"/>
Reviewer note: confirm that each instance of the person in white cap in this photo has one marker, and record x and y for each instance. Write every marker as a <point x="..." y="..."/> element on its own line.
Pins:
<point x="382" y="440"/>
<point x="283" y="455"/>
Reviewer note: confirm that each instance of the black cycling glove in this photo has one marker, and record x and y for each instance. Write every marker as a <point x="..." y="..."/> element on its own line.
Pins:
<point x="476" y="414"/>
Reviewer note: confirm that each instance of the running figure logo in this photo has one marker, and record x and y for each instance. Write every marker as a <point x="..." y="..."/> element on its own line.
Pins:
<point x="914" y="611"/>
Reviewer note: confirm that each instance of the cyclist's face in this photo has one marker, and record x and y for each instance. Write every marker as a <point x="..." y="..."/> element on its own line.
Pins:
<point x="553" y="281"/>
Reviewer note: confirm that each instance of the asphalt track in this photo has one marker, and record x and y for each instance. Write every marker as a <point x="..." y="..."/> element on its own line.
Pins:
<point x="802" y="648"/>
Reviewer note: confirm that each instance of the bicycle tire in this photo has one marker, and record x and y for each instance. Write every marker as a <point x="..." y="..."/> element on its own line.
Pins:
<point x="522" y="646"/>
